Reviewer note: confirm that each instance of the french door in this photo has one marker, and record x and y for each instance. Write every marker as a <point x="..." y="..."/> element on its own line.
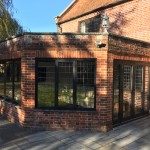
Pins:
<point x="130" y="99"/>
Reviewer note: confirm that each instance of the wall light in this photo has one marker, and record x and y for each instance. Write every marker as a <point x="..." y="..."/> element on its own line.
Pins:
<point x="105" y="23"/>
<point x="99" y="44"/>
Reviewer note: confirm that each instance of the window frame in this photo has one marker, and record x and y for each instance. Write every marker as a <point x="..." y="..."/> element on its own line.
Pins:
<point x="93" y="21"/>
<point x="56" y="61"/>
<point x="134" y="64"/>
<point x="13" y="61"/>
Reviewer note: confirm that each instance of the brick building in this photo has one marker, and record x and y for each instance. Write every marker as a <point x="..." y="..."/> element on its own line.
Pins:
<point x="76" y="80"/>
<point x="129" y="18"/>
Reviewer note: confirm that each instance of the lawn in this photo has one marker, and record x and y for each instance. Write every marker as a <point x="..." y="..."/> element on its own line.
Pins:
<point x="46" y="96"/>
<point x="17" y="91"/>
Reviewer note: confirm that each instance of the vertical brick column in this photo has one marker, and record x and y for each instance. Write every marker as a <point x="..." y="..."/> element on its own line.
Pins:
<point x="103" y="98"/>
<point x="28" y="78"/>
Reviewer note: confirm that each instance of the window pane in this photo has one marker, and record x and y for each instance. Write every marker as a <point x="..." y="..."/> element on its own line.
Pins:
<point x="9" y="80"/>
<point x="127" y="91"/>
<point x="46" y="84"/>
<point x="17" y="81"/>
<point x="1" y="80"/>
<point x="127" y="77"/>
<point x="91" y="25"/>
<point x="65" y="87"/>
<point x="138" y="77"/>
<point x="85" y="84"/>
<point x="138" y="89"/>
<point x="116" y="92"/>
<point x="82" y="27"/>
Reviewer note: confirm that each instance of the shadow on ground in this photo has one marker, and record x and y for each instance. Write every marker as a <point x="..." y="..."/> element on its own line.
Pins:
<point x="131" y="136"/>
<point x="10" y="131"/>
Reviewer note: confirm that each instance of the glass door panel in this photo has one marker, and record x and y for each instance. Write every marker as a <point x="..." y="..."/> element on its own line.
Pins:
<point x="116" y="93"/>
<point x="138" y="106"/>
<point x="127" y="91"/>
<point x="131" y="86"/>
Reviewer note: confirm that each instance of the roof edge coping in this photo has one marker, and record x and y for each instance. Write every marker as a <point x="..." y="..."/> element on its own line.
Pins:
<point x="128" y="38"/>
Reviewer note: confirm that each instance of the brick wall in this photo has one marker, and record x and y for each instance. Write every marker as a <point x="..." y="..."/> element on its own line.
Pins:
<point x="70" y="46"/>
<point x="126" y="49"/>
<point x="13" y="113"/>
<point x="66" y="46"/>
<point x="11" y="49"/>
<point x="129" y="19"/>
<point x="62" y="46"/>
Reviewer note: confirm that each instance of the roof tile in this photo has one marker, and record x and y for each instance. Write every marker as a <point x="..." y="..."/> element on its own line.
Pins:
<point x="84" y="6"/>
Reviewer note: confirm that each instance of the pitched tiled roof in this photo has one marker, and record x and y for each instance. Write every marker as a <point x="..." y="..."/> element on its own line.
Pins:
<point x="80" y="7"/>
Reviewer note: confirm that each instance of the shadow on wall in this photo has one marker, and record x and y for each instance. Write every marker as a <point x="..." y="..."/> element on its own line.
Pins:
<point x="68" y="46"/>
<point x="61" y="46"/>
<point x="118" y="21"/>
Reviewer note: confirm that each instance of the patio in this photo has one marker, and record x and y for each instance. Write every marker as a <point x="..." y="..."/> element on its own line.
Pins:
<point x="133" y="135"/>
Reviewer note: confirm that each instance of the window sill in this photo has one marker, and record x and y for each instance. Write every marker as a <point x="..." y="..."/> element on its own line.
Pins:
<point x="67" y="110"/>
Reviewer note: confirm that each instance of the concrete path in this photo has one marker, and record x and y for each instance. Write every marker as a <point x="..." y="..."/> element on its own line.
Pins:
<point x="132" y="136"/>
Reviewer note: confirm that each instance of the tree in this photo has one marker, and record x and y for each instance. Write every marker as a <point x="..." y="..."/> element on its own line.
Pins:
<point x="8" y="25"/>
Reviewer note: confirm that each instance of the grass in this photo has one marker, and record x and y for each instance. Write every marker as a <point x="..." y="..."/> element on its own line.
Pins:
<point x="17" y="92"/>
<point x="46" y="96"/>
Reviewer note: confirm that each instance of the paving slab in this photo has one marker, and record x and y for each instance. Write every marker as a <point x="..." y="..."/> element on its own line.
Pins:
<point x="131" y="136"/>
<point x="10" y="131"/>
<point x="74" y="146"/>
<point x="10" y="147"/>
<point x="42" y="145"/>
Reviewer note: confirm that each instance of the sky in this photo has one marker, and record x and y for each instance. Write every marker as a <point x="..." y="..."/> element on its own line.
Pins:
<point x="38" y="15"/>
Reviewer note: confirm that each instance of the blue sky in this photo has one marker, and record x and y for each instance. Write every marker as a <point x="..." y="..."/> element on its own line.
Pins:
<point x="38" y="15"/>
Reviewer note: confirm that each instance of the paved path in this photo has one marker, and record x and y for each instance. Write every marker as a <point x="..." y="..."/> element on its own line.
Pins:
<point x="132" y="136"/>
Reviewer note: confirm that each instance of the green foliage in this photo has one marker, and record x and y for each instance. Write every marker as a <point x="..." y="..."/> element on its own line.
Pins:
<point x="8" y="25"/>
<point x="46" y="96"/>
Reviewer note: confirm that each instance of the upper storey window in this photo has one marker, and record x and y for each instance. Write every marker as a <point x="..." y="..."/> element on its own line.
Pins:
<point x="90" y="25"/>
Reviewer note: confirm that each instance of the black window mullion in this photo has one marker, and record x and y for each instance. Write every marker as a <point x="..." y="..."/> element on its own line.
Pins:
<point x="133" y="91"/>
<point x="56" y="83"/>
<point x="143" y="88"/>
<point x="94" y="84"/>
<point x="36" y="83"/>
<point x="5" y="80"/>
<point x="13" y="75"/>
<point x="74" y="83"/>
<point x="121" y="85"/>
<point x="148" y="87"/>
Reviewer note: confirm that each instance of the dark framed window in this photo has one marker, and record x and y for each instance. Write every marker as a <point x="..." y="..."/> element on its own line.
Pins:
<point x="131" y="97"/>
<point x="69" y="83"/>
<point x="10" y="81"/>
<point x="90" y="25"/>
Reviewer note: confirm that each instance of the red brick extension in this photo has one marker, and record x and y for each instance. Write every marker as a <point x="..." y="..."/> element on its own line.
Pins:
<point x="30" y="46"/>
